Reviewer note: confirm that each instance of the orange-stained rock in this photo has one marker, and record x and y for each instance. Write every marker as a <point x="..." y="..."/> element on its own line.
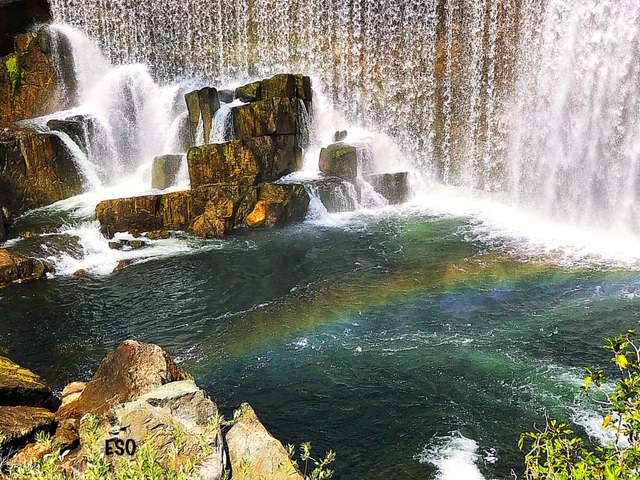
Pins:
<point x="17" y="268"/>
<point x="258" y="216"/>
<point x="130" y="371"/>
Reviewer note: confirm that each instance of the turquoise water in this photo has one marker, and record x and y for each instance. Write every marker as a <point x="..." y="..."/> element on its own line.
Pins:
<point x="399" y="339"/>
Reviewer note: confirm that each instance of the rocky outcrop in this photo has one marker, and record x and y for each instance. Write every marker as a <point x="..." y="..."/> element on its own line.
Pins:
<point x="392" y="186"/>
<point x="19" y="386"/>
<point x="164" y="171"/>
<point x="38" y="78"/>
<point x="254" y="453"/>
<point x="79" y="128"/>
<point x="15" y="268"/>
<point x="279" y="205"/>
<point x="279" y="86"/>
<point x="339" y="160"/>
<point x="336" y="194"/>
<point x="274" y="116"/>
<point x="16" y="16"/>
<point x="130" y="371"/>
<point x="202" y="105"/>
<point x="24" y="406"/>
<point x="36" y="169"/>
<point x="244" y="162"/>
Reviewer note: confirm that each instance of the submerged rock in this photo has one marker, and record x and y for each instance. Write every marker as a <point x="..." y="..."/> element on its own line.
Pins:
<point x="164" y="171"/>
<point x="339" y="160"/>
<point x="35" y="170"/>
<point x="15" y="268"/>
<point x="38" y="78"/>
<point x="130" y="371"/>
<point x="202" y="105"/>
<point x="254" y="453"/>
<point x="392" y="186"/>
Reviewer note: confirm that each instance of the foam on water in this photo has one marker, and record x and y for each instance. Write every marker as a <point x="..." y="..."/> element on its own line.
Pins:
<point x="455" y="456"/>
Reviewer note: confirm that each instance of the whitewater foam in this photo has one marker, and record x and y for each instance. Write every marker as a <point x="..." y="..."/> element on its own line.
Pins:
<point x="455" y="456"/>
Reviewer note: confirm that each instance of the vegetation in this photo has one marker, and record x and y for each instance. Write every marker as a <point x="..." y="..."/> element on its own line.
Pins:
<point x="16" y="74"/>
<point x="558" y="453"/>
<point x="147" y="463"/>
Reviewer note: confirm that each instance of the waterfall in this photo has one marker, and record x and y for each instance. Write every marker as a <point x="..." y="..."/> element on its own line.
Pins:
<point x="533" y="99"/>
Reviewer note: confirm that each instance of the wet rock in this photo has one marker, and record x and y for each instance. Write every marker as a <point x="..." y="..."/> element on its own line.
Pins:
<point x="157" y="235"/>
<point x="20" y="386"/>
<point x="122" y="264"/>
<point x="132" y="370"/>
<point x="4" y="227"/>
<point x="72" y="127"/>
<point x="274" y="116"/>
<point x="15" y="268"/>
<point x="136" y="244"/>
<point x="339" y="160"/>
<point x="164" y="171"/>
<point x="336" y="194"/>
<point x="19" y="425"/>
<point x="340" y="135"/>
<point x="80" y="273"/>
<point x="115" y="245"/>
<point x="254" y="453"/>
<point x="202" y="104"/>
<point x="392" y="186"/>
<point x="224" y="209"/>
<point x="250" y="92"/>
<point x="35" y="170"/>
<point x="280" y="205"/>
<point x="226" y="96"/>
<point x="124" y="214"/>
<point x="244" y="162"/>
<point x="33" y="82"/>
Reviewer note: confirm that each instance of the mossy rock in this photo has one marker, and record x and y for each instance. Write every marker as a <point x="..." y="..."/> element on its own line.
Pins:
<point x="20" y="386"/>
<point x="16" y="75"/>
<point x="339" y="160"/>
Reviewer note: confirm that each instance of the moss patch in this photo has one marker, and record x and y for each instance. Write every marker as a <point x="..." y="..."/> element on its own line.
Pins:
<point x="16" y="74"/>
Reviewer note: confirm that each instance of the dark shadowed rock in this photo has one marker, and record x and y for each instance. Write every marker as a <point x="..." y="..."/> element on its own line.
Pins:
<point x="17" y="16"/>
<point x="339" y="160"/>
<point x="392" y="186"/>
<point x="19" y="425"/>
<point x="226" y="96"/>
<point x="279" y="205"/>
<point x="336" y="194"/>
<point x="274" y="116"/>
<point x="78" y="127"/>
<point x="4" y="226"/>
<point x="340" y="135"/>
<point x="164" y="171"/>
<point x="250" y="92"/>
<point x="283" y="85"/>
<point x="202" y="104"/>
<point x="15" y="268"/>
<point x="130" y="371"/>
<point x="19" y="386"/>
<point x="35" y="170"/>
<point x="254" y="453"/>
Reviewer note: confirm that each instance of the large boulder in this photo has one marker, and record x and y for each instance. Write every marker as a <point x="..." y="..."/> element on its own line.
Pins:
<point x="202" y="105"/>
<point x="279" y="86"/>
<point x="15" y="268"/>
<point x="279" y="205"/>
<point x="274" y="116"/>
<point x="19" y="425"/>
<point x="244" y="162"/>
<point x="254" y="453"/>
<point x="20" y="386"/>
<point x="132" y="370"/>
<point x="175" y="412"/>
<point x="392" y="186"/>
<point x="36" y="169"/>
<point x="339" y="160"/>
<point x="164" y="171"/>
<point x="38" y="78"/>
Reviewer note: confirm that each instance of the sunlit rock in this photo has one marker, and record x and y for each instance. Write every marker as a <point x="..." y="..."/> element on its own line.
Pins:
<point x="339" y="160"/>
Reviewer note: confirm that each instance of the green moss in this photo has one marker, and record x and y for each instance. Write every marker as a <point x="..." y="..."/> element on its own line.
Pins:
<point x="16" y="74"/>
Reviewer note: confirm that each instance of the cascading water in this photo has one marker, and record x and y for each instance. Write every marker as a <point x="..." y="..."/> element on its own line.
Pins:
<point x="531" y="98"/>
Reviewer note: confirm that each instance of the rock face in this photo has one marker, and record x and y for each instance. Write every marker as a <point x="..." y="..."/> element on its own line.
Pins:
<point x="254" y="453"/>
<point x="274" y="116"/>
<point x="35" y="170"/>
<point x="4" y="225"/>
<point x="16" y="16"/>
<point x="164" y="171"/>
<point x="336" y="194"/>
<point x="339" y="160"/>
<point x="244" y="162"/>
<point x="19" y="386"/>
<point x="130" y="371"/>
<point x="38" y="78"/>
<point x="279" y="86"/>
<point x="202" y="104"/>
<point x="392" y="186"/>
<point x="15" y="268"/>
